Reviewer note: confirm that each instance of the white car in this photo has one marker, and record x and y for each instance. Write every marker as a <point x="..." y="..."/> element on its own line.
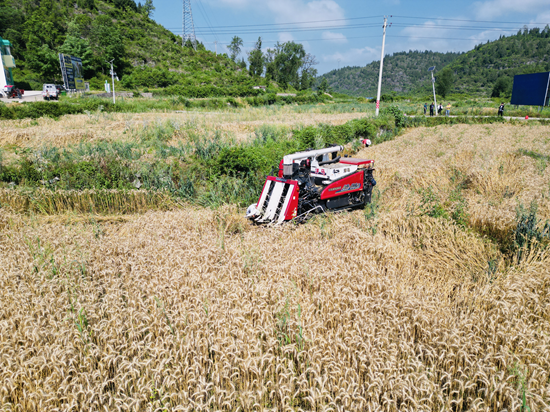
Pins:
<point x="50" y="91"/>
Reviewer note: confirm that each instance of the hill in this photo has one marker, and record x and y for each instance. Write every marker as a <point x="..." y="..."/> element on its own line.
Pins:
<point x="474" y="72"/>
<point x="145" y="53"/>
<point x="403" y="72"/>
<point x="477" y="71"/>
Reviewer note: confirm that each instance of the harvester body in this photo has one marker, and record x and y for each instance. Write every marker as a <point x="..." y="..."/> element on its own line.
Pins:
<point x="314" y="181"/>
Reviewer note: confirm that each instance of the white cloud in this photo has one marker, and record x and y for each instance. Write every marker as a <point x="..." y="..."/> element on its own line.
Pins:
<point x="284" y="37"/>
<point x="334" y="37"/>
<point x="354" y="57"/>
<point x="296" y="11"/>
<point x="495" y="8"/>
<point x="293" y="11"/>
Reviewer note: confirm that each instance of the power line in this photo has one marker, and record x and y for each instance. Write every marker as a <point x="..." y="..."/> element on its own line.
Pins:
<point x="205" y="16"/>
<point x="466" y="20"/>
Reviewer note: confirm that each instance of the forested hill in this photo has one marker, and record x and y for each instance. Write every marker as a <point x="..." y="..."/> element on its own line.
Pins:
<point x="145" y="53"/>
<point x="479" y="70"/>
<point x="403" y="72"/>
<point x="488" y="69"/>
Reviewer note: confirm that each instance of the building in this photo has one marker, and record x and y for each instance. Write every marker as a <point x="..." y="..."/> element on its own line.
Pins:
<point x="7" y="62"/>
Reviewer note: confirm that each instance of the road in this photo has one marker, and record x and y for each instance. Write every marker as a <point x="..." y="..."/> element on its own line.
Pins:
<point x="29" y="96"/>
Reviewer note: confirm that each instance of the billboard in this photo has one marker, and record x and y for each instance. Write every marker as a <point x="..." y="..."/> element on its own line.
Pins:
<point x="71" y="69"/>
<point x="531" y="89"/>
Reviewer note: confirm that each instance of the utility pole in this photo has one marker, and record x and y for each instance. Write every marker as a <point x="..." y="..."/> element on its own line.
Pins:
<point x="381" y="65"/>
<point x="432" y="69"/>
<point x="113" y="79"/>
<point x="338" y="64"/>
<point x="216" y="43"/>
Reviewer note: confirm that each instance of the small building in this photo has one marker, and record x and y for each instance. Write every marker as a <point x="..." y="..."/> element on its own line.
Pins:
<point x="7" y="62"/>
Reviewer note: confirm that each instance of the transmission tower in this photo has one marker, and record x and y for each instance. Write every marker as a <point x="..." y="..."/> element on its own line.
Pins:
<point x="188" y="26"/>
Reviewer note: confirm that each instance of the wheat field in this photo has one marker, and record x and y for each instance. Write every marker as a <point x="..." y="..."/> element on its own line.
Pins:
<point x="417" y="303"/>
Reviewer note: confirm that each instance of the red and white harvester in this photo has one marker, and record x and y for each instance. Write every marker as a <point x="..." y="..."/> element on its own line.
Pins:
<point x="314" y="181"/>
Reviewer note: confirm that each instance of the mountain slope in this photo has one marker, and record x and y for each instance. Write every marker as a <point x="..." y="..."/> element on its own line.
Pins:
<point x="477" y="71"/>
<point x="144" y="53"/>
<point x="474" y="72"/>
<point x="402" y="73"/>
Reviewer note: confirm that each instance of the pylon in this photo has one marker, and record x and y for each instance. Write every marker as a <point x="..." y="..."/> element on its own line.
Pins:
<point x="188" y="26"/>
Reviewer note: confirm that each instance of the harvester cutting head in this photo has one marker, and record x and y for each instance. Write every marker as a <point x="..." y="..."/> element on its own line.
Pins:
<point x="314" y="181"/>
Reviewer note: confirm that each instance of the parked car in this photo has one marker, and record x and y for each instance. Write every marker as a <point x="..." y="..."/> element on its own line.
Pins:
<point x="50" y="91"/>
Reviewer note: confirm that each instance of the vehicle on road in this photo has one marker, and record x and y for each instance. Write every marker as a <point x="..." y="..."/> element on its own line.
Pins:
<point x="11" y="91"/>
<point x="51" y="91"/>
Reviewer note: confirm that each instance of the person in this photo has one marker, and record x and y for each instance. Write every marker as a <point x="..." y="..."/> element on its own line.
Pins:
<point x="448" y="111"/>
<point x="432" y="106"/>
<point x="440" y="109"/>
<point x="47" y="95"/>
<point x="425" y="108"/>
<point x="501" y="109"/>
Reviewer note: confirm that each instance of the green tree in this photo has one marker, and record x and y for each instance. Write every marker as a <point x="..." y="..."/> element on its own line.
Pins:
<point x="74" y="45"/>
<point x="288" y="61"/>
<point x="444" y="82"/>
<point x="256" y="59"/>
<point x="308" y="72"/>
<point x="148" y="8"/>
<point x="106" y="40"/>
<point x="323" y="87"/>
<point x="502" y="87"/>
<point x="45" y="62"/>
<point x="235" y="47"/>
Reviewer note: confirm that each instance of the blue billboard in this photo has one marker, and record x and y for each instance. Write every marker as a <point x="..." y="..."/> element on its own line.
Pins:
<point x="531" y="89"/>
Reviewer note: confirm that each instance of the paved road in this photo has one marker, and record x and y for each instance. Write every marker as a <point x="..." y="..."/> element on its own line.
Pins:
<point x="29" y="96"/>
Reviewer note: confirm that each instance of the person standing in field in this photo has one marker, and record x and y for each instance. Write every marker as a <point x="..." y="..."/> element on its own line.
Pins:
<point x="432" y="106"/>
<point x="501" y="110"/>
<point x="425" y="108"/>
<point x="440" y="109"/>
<point x="448" y="111"/>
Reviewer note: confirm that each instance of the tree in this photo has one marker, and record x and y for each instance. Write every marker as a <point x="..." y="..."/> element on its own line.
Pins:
<point x="148" y="8"/>
<point x="74" y="45"/>
<point x="256" y="59"/>
<point x="308" y="72"/>
<point x="45" y="62"/>
<point x="235" y="47"/>
<point x="107" y="43"/>
<point x="502" y="87"/>
<point x="444" y="82"/>
<point x="288" y="61"/>
<point x="323" y="87"/>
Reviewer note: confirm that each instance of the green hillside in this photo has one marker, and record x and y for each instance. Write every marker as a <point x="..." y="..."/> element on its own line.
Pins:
<point x="403" y="72"/>
<point x="478" y="71"/>
<point x="488" y="69"/>
<point x="145" y="53"/>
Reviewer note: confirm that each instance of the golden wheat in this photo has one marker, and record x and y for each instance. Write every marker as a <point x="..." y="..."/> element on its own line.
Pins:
<point x="384" y="309"/>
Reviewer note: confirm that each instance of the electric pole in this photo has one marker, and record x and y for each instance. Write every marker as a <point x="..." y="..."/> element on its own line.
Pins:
<point x="432" y="69"/>
<point x="338" y="64"/>
<point x="381" y="65"/>
<point x="188" y="25"/>
<point x="113" y="79"/>
<point x="216" y="44"/>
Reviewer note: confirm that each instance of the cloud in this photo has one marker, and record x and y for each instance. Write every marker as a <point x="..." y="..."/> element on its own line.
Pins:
<point x="297" y="11"/>
<point x="293" y="11"/>
<point x="354" y="56"/>
<point x="430" y="37"/>
<point x="495" y="8"/>
<point x="334" y="37"/>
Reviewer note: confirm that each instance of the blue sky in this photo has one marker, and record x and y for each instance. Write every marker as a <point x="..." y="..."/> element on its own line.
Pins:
<point x="349" y="32"/>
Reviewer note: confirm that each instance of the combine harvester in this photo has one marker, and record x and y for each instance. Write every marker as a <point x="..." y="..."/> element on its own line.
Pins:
<point x="314" y="181"/>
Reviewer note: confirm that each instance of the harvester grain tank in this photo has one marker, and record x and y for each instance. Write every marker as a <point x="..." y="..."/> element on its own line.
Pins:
<point x="7" y="62"/>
